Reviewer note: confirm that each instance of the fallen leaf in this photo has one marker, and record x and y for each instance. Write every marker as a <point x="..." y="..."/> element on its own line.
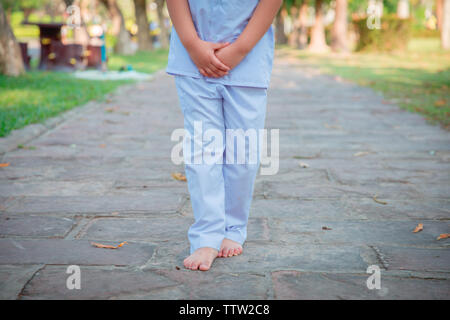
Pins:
<point x="303" y="165"/>
<point x="326" y="228"/>
<point x="440" y="103"/>
<point x="106" y="246"/>
<point x="418" y="228"/>
<point x="3" y="165"/>
<point x="177" y="267"/>
<point x="334" y="126"/>
<point x="111" y="109"/>
<point x="443" y="236"/>
<point x="178" y="176"/>
<point x="378" y="201"/>
<point x="102" y="145"/>
<point x="361" y="154"/>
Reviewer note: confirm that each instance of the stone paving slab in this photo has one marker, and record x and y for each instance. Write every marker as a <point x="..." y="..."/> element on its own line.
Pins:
<point x="96" y="283"/>
<point x="79" y="252"/>
<point x="104" y="174"/>
<point x="398" y="233"/>
<point x="35" y="226"/>
<point x="121" y="283"/>
<point x="158" y="202"/>
<point x="314" y="286"/>
<point x="158" y="229"/>
<point x="13" y="279"/>
<point x="264" y="256"/>
<point x="416" y="259"/>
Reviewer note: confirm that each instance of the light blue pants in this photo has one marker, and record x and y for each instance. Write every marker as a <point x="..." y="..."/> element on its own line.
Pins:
<point x="220" y="192"/>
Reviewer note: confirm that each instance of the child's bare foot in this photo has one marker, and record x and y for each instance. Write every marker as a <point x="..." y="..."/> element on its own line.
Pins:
<point x="201" y="259"/>
<point x="229" y="248"/>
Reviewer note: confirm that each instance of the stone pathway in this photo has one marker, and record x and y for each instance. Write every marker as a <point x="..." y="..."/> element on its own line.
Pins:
<point x="105" y="176"/>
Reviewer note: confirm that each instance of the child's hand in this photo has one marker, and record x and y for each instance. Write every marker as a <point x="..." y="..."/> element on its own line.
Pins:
<point x="230" y="55"/>
<point x="203" y="55"/>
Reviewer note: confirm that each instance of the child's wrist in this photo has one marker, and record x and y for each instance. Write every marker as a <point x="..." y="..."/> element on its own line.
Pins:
<point x="191" y="43"/>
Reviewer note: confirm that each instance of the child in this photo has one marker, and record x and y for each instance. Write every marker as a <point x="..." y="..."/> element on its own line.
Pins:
<point x="221" y="54"/>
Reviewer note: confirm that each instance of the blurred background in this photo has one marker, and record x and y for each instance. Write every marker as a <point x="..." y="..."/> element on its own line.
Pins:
<point x="55" y="54"/>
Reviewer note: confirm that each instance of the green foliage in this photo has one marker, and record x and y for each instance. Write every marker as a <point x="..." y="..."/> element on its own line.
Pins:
<point x="394" y="34"/>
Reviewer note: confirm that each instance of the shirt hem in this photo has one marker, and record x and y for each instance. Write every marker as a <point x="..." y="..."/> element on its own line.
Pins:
<point x="237" y="83"/>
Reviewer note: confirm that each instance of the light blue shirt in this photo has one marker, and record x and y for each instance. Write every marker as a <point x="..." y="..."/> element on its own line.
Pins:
<point x="224" y="21"/>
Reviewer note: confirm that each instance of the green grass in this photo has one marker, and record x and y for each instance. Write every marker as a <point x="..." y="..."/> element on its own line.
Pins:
<point x="36" y="96"/>
<point x="142" y="61"/>
<point x="417" y="80"/>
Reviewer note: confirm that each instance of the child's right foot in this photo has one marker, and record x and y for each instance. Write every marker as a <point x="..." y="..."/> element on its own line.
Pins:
<point x="201" y="259"/>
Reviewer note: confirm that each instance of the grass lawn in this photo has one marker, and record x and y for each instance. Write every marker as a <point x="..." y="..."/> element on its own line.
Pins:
<point x="142" y="61"/>
<point x="36" y="96"/>
<point x="417" y="80"/>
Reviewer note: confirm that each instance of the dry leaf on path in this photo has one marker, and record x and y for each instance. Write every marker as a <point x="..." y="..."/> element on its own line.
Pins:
<point x="178" y="176"/>
<point x="443" y="236"/>
<point x="361" y="153"/>
<point x="107" y="246"/>
<point x="418" y="228"/>
<point x="326" y="228"/>
<point x="3" y="165"/>
<point x="440" y="103"/>
<point x="378" y="201"/>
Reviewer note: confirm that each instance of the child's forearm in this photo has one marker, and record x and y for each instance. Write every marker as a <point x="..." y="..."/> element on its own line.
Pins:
<point x="258" y="25"/>
<point x="181" y="17"/>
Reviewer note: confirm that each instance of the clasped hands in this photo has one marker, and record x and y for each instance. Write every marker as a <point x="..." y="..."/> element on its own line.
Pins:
<point x="215" y="60"/>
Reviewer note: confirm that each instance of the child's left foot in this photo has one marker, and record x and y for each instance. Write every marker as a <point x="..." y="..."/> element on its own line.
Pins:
<point x="229" y="248"/>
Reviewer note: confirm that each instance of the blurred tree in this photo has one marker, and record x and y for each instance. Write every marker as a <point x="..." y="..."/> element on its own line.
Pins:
<point x="164" y="35"/>
<point x="8" y="7"/>
<point x="318" y="42"/>
<point x="280" y="36"/>
<point x="403" y="9"/>
<point x="439" y="5"/>
<point x="28" y="6"/>
<point x="123" y="43"/>
<point x="340" y="26"/>
<point x="11" y="63"/>
<point x="143" y="35"/>
<point x="445" y="28"/>
<point x="299" y="13"/>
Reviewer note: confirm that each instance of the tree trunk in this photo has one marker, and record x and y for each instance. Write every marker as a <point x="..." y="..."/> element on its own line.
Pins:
<point x="439" y="5"/>
<point x="303" y="29"/>
<point x="11" y="63"/>
<point x="123" y="44"/>
<point x="164" y="35"/>
<point x="318" y="43"/>
<point x="299" y="36"/>
<point x="293" y="36"/>
<point x="339" y="30"/>
<point x="403" y="9"/>
<point x="140" y="12"/>
<point x="80" y="33"/>
<point x="445" y="30"/>
<point x="280" y="36"/>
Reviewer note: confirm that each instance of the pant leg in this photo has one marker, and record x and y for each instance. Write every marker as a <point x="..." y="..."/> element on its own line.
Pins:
<point x="244" y="108"/>
<point x="200" y="102"/>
